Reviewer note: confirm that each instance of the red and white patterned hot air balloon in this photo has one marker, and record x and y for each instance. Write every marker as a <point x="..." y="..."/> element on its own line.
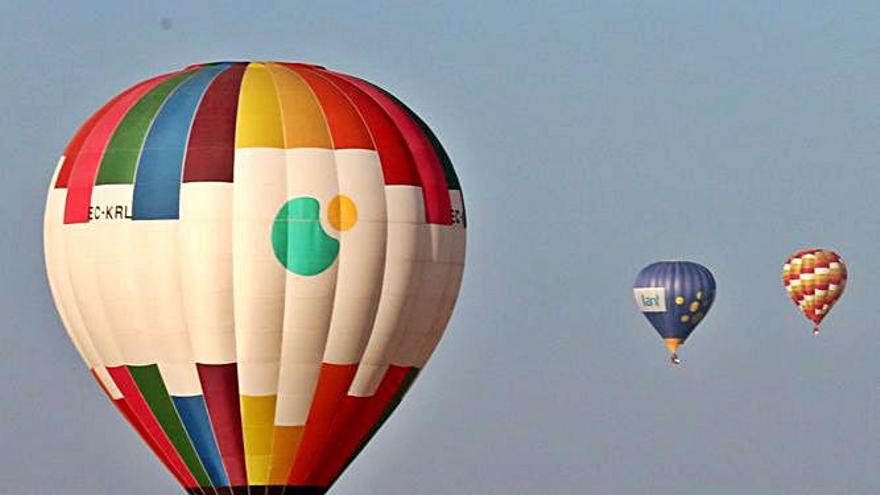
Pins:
<point x="255" y="260"/>
<point x="815" y="280"/>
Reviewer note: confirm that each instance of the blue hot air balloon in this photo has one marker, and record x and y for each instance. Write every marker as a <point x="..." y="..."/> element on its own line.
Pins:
<point x="675" y="297"/>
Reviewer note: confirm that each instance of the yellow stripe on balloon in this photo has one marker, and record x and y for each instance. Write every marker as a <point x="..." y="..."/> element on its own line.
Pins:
<point x="303" y="125"/>
<point x="303" y="122"/>
<point x="258" y="124"/>
<point x="257" y="420"/>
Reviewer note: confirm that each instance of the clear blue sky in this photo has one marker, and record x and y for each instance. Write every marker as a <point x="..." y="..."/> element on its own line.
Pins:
<point x="591" y="138"/>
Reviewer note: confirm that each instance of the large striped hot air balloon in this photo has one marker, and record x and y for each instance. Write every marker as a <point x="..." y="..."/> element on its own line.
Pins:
<point x="674" y="296"/>
<point x="815" y="280"/>
<point x="255" y="260"/>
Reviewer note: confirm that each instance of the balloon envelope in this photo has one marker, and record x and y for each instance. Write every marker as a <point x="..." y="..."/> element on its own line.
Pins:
<point x="675" y="297"/>
<point x="255" y="260"/>
<point x="815" y="280"/>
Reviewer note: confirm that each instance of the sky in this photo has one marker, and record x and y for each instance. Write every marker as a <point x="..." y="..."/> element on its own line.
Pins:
<point x="591" y="138"/>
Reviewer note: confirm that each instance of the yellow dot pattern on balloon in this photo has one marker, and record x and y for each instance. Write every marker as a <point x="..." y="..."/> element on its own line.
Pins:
<point x="694" y="317"/>
<point x="342" y="213"/>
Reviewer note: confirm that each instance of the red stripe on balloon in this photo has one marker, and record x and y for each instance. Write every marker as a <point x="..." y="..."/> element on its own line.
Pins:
<point x="71" y="153"/>
<point x="211" y="149"/>
<point x="438" y="206"/>
<point x="333" y="384"/>
<point x="126" y="412"/>
<point x="129" y="415"/>
<point x="355" y="420"/>
<point x="140" y="411"/>
<point x="398" y="165"/>
<point x="84" y="169"/>
<point x="220" y="388"/>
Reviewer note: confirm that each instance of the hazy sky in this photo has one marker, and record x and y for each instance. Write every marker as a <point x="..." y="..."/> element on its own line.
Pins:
<point x="591" y="138"/>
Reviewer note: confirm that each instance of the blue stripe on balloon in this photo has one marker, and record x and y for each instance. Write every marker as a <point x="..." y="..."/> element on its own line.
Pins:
<point x="194" y="414"/>
<point x="157" y="183"/>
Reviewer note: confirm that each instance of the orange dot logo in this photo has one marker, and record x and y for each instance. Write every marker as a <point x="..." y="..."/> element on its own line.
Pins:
<point x="342" y="213"/>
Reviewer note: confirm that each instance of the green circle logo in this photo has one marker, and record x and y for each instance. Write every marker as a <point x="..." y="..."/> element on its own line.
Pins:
<point x="299" y="240"/>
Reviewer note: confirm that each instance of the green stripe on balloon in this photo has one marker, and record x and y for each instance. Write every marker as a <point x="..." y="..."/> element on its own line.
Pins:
<point x="299" y="240"/>
<point x="121" y="156"/>
<point x="149" y="382"/>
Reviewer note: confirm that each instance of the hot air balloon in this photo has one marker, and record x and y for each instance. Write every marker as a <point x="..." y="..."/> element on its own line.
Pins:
<point x="815" y="280"/>
<point x="675" y="297"/>
<point x="255" y="259"/>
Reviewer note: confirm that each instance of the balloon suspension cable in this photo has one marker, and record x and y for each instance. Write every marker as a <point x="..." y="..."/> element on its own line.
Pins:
<point x="674" y="359"/>
<point x="816" y="330"/>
